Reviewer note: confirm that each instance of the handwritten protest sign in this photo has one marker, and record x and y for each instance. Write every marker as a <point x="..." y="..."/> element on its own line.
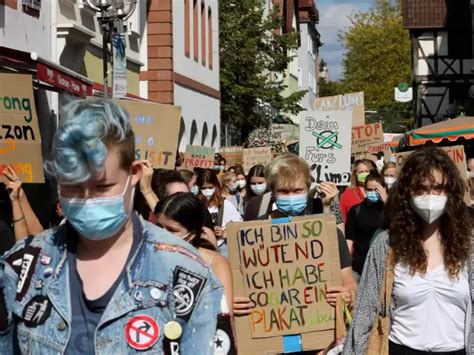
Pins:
<point x="156" y="128"/>
<point x="197" y="156"/>
<point x="284" y="269"/>
<point x="254" y="156"/>
<point x="353" y="102"/>
<point x="456" y="153"/>
<point x="372" y="150"/>
<point x="363" y="136"/>
<point x="232" y="155"/>
<point x="325" y="143"/>
<point x="20" y="139"/>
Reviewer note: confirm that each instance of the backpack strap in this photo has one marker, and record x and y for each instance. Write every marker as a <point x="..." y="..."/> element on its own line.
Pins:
<point x="264" y="203"/>
<point x="220" y="214"/>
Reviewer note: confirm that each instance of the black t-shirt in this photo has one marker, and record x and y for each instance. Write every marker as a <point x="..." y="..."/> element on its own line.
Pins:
<point x="86" y="313"/>
<point x="362" y="222"/>
<point x="7" y="239"/>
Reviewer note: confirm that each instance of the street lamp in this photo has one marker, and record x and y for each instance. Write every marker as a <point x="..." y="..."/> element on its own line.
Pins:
<point x="110" y="12"/>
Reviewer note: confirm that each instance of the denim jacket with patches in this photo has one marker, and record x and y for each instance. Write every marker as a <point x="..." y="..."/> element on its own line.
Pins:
<point x="35" y="298"/>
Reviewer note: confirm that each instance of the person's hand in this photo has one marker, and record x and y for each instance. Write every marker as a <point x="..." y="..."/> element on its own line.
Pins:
<point x="333" y="292"/>
<point x="330" y="191"/>
<point x="13" y="183"/>
<point x="243" y="306"/>
<point x="381" y="191"/>
<point x="219" y="232"/>
<point x="145" y="180"/>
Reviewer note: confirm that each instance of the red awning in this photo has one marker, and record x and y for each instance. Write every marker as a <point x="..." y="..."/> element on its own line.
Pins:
<point x="58" y="76"/>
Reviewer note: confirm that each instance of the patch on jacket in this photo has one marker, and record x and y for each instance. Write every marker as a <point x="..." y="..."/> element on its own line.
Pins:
<point x="187" y="287"/>
<point x="23" y="262"/>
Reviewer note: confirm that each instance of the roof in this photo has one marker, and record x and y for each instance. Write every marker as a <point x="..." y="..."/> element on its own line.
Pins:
<point x="450" y="130"/>
<point x="426" y="14"/>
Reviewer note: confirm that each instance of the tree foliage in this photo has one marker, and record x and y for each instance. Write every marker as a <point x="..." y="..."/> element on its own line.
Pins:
<point x="252" y="59"/>
<point x="378" y="58"/>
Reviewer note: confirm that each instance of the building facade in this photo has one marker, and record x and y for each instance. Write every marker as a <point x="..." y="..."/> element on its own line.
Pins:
<point x="442" y="57"/>
<point x="183" y="65"/>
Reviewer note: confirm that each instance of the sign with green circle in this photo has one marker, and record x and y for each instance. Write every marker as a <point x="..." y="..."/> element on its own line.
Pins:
<point x="403" y="87"/>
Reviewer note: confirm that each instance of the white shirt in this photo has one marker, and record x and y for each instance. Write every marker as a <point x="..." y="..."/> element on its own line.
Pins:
<point x="230" y="213"/>
<point x="430" y="310"/>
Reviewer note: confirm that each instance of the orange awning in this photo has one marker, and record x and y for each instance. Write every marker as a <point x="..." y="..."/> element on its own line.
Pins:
<point x="451" y="130"/>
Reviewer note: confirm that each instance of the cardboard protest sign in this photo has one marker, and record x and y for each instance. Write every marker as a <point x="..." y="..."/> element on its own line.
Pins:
<point x="372" y="150"/>
<point x="363" y="136"/>
<point x="20" y="139"/>
<point x="156" y="128"/>
<point x="198" y="156"/>
<point x="254" y="156"/>
<point x="325" y="143"/>
<point x="232" y="155"/>
<point x="285" y="269"/>
<point x="353" y="102"/>
<point x="456" y="153"/>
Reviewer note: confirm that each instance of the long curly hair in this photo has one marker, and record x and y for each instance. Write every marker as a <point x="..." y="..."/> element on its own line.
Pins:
<point x="406" y="226"/>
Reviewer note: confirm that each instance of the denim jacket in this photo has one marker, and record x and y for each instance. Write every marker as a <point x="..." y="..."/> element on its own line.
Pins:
<point x="35" y="305"/>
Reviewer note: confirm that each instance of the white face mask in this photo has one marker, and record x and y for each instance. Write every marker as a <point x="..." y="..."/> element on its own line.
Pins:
<point x="429" y="207"/>
<point x="390" y="180"/>
<point x="258" y="189"/>
<point x="208" y="193"/>
<point x="470" y="174"/>
<point x="241" y="184"/>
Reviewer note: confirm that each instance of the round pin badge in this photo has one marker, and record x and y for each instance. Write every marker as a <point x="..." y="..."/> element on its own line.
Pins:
<point x="221" y="343"/>
<point x="48" y="271"/>
<point x="173" y="330"/>
<point x="36" y="311"/>
<point x="142" y="332"/>
<point x="155" y="293"/>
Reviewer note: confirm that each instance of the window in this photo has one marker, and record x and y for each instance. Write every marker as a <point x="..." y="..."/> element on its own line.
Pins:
<point x="195" y="31"/>
<point x="203" y="33"/>
<point x="209" y="35"/>
<point x="187" y="35"/>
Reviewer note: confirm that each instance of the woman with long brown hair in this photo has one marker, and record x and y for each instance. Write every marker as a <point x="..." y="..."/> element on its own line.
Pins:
<point x="425" y="259"/>
<point x="221" y="210"/>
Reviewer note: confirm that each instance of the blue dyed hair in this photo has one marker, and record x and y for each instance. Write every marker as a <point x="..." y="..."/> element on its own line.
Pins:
<point x="87" y="130"/>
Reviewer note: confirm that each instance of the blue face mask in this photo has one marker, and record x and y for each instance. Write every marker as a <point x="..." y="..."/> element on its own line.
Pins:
<point x="292" y="205"/>
<point x="97" y="218"/>
<point x="373" y="196"/>
<point x="194" y="190"/>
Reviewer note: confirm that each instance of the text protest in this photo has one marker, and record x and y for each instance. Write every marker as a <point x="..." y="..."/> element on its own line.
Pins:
<point x="156" y="129"/>
<point x="232" y="155"/>
<point x="197" y="156"/>
<point x="353" y="102"/>
<point x="325" y="143"/>
<point x="20" y="139"/>
<point x="255" y="156"/>
<point x="286" y="269"/>
<point x="364" y="136"/>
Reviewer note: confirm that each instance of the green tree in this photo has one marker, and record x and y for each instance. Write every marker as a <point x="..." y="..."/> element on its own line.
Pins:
<point x="377" y="59"/>
<point x="253" y="58"/>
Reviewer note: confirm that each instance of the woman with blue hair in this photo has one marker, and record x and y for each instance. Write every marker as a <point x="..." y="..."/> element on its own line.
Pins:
<point x="106" y="281"/>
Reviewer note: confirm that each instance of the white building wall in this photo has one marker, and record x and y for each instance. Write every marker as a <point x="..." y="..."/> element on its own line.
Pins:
<point x="21" y="31"/>
<point x="201" y="109"/>
<point x="196" y="107"/>
<point x="187" y="66"/>
<point x="307" y="60"/>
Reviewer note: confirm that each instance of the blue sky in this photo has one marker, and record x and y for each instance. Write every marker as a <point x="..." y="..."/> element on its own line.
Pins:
<point x="333" y="16"/>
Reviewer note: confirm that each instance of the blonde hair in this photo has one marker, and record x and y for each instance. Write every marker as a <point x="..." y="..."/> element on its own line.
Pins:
<point x="287" y="167"/>
<point x="227" y="177"/>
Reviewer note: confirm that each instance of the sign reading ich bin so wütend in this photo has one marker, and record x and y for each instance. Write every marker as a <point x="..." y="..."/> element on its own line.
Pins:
<point x="156" y="129"/>
<point x="285" y="269"/>
<point x="20" y="139"/>
<point x="325" y="144"/>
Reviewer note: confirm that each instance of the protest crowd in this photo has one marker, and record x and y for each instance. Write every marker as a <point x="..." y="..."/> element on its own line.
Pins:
<point x="238" y="251"/>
